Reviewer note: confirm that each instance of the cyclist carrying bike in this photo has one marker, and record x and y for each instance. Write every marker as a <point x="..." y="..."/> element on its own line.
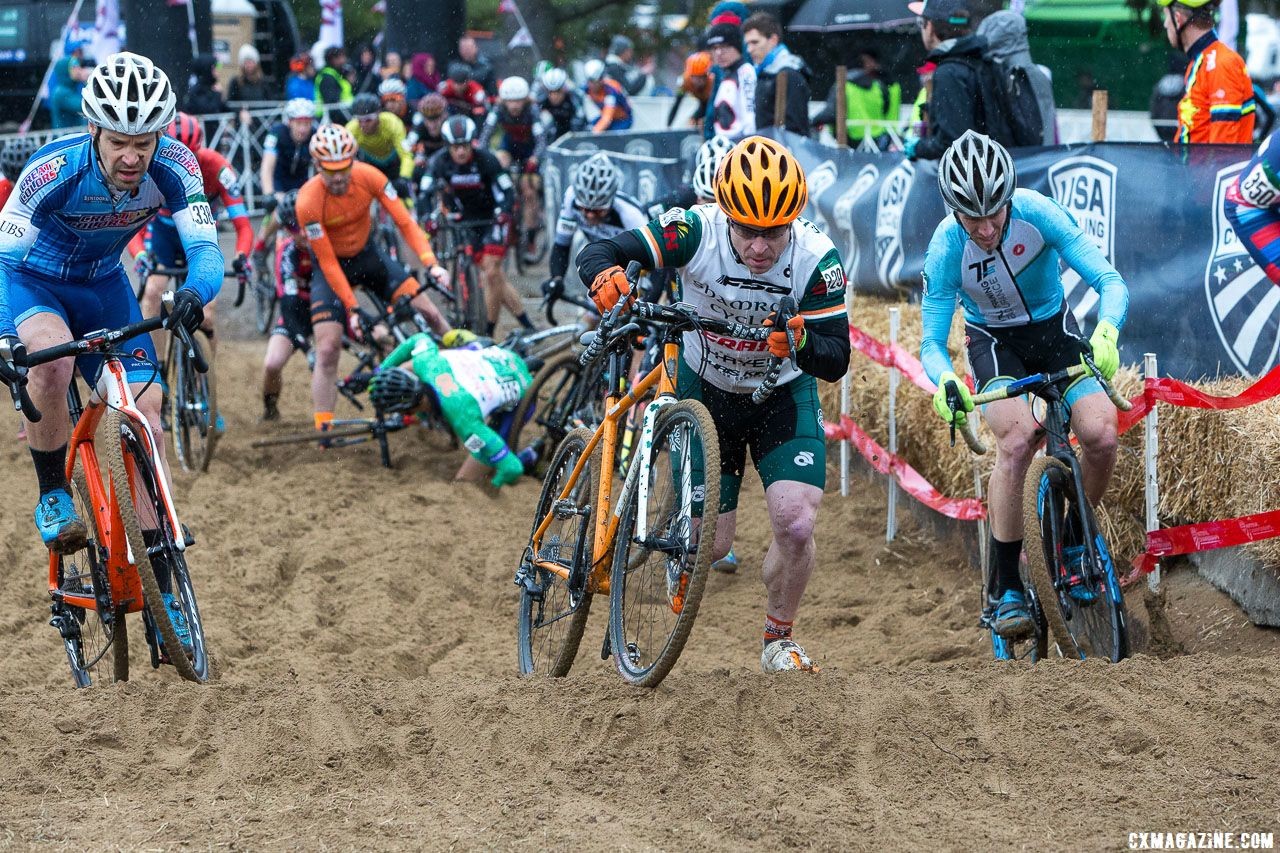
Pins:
<point x="472" y="185"/>
<point x="464" y="386"/>
<point x="595" y="206"/>
<point x="737" y="258"/>
<point x="159" y="244"/>
<point x="286" y="165"/>
<point x="999" y="254"/>
<point x="15" y="155"/>
<point x="516" y="118"/>
<point x="380" y="142"/>
<point x="78" y="202"/>
<point x="292" y="331"/>
<point x="334" y="212"/>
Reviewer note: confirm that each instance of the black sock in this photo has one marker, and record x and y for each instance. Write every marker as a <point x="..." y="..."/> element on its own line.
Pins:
<point x="159" y="561"/>
<point x="524" y="320"/>
<point x="488" y="329"/>
<point x="1005" y="556"/>
<point x="51" y="468"/>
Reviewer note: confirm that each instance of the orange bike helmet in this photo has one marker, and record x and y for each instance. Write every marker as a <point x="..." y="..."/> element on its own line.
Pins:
<point x="761" y="184"/>
<point x="333" y="147"/>
<point x="187" y="130"/>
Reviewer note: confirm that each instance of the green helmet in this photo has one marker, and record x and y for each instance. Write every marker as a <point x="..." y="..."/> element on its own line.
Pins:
<point x="1190" y="4"/>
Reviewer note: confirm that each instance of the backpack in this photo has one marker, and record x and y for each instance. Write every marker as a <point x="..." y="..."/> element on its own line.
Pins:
<point x="1012" y="117"/>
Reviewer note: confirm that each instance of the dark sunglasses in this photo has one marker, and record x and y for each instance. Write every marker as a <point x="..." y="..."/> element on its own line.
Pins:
<point x="589" y="211"/>
<point x="746" y="232"/>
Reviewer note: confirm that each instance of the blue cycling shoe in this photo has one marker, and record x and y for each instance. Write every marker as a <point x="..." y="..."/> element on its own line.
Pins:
<point x="727" y="564"/>
<point x="179" y="620"/>
<point x="1012" y="619"/>
<point x="1073" y="562"/>
<point x="60" y="526"/>
<point x="219" y="425"/>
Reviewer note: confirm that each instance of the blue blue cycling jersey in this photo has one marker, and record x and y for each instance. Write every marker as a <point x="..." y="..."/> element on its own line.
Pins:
<point x="1017" y="284"/>
<point x="63" y="223"/>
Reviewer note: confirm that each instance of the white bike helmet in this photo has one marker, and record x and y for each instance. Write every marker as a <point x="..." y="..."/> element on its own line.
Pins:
<point x="710" y="153"/>
<point x="299" y="108"/>
<point x="593" y="70"/>
<point x="392" y="86"/>
<point x="976" y="175"/>
<point x="129" y="95"/>
<point x="596" y="183"/>
<point x="555" y="79"/>
<point x="513" y="89"/>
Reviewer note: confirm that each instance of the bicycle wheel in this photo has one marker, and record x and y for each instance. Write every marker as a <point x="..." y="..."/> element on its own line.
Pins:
<point x="1086" y="613"/>
<point x="88" y="635"/>
<point x="660" y="567"/>
<point x="193" y="406"/>
<point x="139" y="498"/>
<point x="477" y="314"/>
<point x="553" y="609"/>
<point x="544" y="416"/>
<point x="264" y="303"/>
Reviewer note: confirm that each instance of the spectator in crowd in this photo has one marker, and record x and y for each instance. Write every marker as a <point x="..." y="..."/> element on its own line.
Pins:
<point x="250" y="84"/>
<point x="1218" y="104"/>
<point x="301" y="80"/>
<point x="481" y="68"/>
<point x="1006" y="35"/>
<point x="728" y="12"/>
<point x="618" y="66"/>
<point x="957" y="84"/>
<point x="733" y="106"/>
<point x="392" y="66"/>
<point x="763" y="39"/>
<point x="609" y="96"/>
<point x="366" y="70"/>
<point x="920" y="109"/>
<point x="423" y="76"/>
<point x="873" y="103"/>
<point x="69" y="74"/>
<point x="204" y="95"/>
<point x="332" y="87"/>
<point x="696" y="82"/>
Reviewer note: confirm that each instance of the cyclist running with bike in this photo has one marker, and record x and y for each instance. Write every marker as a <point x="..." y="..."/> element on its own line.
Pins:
<point x="292" y="331"/>
<point x="516" y="118"/>
<point x="464" y="386"/>
<point x="77" y="204"/>
<point x="999" y="254"/>
<point x="472" y="185"/>
<point x="737" y="258"/>
<point x="334" y="212"/>
<point x="160" y="244"/>
<point x="286" y="165"/>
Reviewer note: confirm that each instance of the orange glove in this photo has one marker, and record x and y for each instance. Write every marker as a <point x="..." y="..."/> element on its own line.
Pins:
<point x="779" y="346"/>
<point x="609" y="287"/>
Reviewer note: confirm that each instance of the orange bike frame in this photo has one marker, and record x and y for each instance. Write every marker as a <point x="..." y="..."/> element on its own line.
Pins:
<point x="617" y="404"/>
<point x="122" y="572"/>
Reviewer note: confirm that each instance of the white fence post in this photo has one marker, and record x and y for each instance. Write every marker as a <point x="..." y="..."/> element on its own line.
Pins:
<point x="891" y="526"/>
<point x="845" y="406"/>
<point x="1151" y="451"/>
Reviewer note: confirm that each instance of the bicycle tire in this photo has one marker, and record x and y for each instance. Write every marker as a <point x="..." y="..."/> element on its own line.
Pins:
<point x="193" y="406"/>
<point x="540" y="418"/>
<point x="560" y="647"/>
<point x="124" y="440"/>
<point x="264" y="298"/>
<point x="477" y="314"/>
<point x="632" y="587"/>
<point x="94" y="634"/>
<point x="1046" y="506"/>
<point x="457" y="309"/>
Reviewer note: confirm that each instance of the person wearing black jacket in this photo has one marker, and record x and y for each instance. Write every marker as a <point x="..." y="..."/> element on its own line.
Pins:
<point x="481" y="67"/>
<point x="956" y="104"/>
<point x="763" y="39"/>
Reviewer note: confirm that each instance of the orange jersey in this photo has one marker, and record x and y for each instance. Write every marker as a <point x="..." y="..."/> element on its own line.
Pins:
<point x="1218" y="105"/>
<point x="339" y="226"/>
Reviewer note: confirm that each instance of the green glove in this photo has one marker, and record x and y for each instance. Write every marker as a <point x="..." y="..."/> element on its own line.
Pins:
<point x="940" y="398"/>
<point x="509" y="469"/>
<point x="1106" y="354"/>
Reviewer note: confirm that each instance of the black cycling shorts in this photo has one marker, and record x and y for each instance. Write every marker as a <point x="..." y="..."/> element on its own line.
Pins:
<point x="371" y="269"/>
<point x="294" y="321"/>
<point x="784" y="433"/>
<point x="998" y="356"/>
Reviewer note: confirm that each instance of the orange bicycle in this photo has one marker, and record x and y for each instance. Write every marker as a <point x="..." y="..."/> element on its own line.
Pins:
<point x="94" y="588"/>
<point x="651" y="551"/>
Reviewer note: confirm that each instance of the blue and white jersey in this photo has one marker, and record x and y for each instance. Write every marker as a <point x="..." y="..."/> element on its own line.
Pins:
<point x="1018" y="283"/>
<point x="65" y="225"/>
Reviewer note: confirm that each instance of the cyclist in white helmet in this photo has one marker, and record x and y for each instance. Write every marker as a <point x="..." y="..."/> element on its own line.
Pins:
<point x="78" y="202"/>
<point x="286" y="165"/>
<point x="999" y="254"/>
<point x="561" y="106"/>
<point x="594" y="205"/>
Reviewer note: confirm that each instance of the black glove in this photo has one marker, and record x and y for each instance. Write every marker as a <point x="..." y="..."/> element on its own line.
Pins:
<point x="242" y="266"/>
<point x="553" y="287"/>
<point x="188" y="311"/>
<point x="404" y="189"/>
<point x="12" y="369"/>
<point x="357" y="321"/>
<point x="269" y="205"/>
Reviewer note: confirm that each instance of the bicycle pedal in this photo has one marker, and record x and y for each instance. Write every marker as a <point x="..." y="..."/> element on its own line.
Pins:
<point x="568" y="509"/>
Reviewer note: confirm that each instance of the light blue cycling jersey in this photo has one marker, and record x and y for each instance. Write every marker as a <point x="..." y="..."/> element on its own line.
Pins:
<point x="1017" y="284"/>
<point x="63" y="224"/>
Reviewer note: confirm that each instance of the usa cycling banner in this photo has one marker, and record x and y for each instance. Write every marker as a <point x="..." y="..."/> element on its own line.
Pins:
<point x="644" y="178"/>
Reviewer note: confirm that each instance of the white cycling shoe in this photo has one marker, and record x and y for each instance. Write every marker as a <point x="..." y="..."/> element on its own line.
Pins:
<point x="786" y="656"/>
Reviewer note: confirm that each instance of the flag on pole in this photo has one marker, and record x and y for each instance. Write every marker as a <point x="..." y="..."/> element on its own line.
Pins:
<point x="106" y="26"/>
<point x="520" y="39"/>
<point x="331" y="23"/>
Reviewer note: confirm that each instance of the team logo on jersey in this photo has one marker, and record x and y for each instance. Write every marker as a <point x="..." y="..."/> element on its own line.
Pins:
<point x="892" y="202"/>
<point x="752" y="284"/>
<point x="41" y="176"/>
<point x="181" y="155"/>
<point x="1086" y="187"/>
<point x="99" y="221"/>
<point x="1242" y="300"/>
<point x="639" y="148"/>
<point x="843" y="215"/>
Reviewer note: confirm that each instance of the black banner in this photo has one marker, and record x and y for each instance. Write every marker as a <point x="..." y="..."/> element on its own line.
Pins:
<point x="1196" y="298"/>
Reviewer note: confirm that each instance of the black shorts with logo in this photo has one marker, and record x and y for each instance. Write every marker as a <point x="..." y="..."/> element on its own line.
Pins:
<point x="371" y="269"/>
<point x="1000" y="355"/>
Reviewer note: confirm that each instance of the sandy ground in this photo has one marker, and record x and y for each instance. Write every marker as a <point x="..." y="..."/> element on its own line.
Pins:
<point x="363" y="622"/>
